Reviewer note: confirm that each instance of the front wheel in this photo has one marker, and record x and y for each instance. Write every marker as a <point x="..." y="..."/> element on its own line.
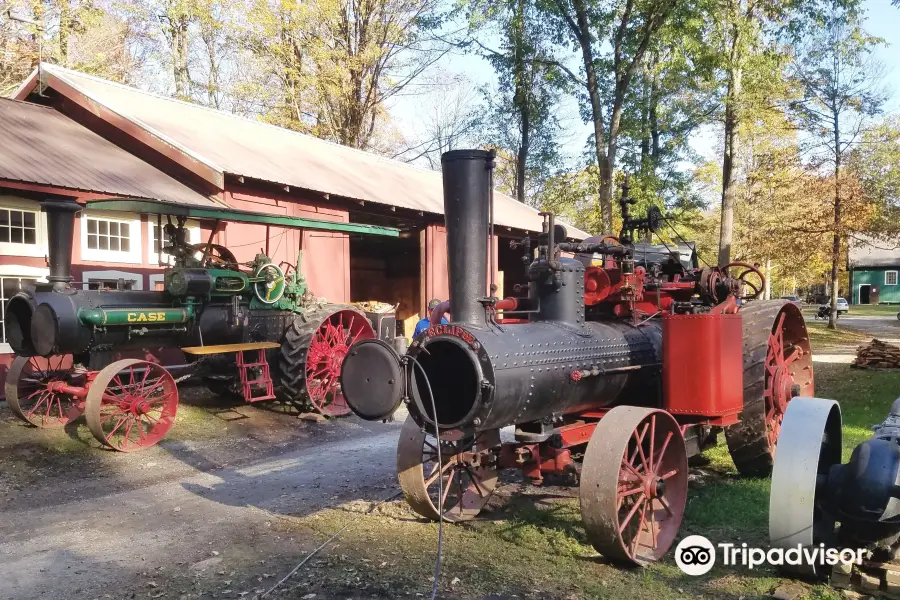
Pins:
<point x="467" y="472"/>
<point x="634" y="484"/>
<point x="131" y="405"/>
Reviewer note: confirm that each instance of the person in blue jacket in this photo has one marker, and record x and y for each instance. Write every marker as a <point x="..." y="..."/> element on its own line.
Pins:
<point x="423" y="324"/>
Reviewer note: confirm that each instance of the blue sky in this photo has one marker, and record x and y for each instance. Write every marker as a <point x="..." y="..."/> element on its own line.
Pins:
<point x="882" y="20"/>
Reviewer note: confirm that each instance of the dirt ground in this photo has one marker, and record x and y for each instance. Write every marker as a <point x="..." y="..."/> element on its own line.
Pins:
<point x="237" y="495"/>
<point x="212" y="511"/>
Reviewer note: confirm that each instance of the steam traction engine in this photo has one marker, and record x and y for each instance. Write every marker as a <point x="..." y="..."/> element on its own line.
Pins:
<point x="253" y="331"/>
<point x="636" y="363"/>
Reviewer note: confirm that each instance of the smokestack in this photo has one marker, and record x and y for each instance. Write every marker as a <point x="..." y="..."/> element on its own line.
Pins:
<point x="60" y="228"/>
<point x="467" y="181"/>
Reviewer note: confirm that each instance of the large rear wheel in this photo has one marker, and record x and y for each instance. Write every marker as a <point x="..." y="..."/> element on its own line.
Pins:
<point x="777" y="367"/>
<point x="312" y="352"/>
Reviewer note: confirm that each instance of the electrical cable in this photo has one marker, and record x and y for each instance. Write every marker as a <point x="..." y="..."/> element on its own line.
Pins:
<point x="437" y="436"/>
<point x="322" y="545"/>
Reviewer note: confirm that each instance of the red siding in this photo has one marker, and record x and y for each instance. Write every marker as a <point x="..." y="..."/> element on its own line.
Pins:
<point x="326" y="255"/>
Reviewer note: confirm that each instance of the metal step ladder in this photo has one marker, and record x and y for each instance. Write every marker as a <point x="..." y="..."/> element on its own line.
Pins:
<point x="264" y="379"/>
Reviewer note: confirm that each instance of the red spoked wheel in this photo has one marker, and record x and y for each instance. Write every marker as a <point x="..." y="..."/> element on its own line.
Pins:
<point x="780" y="386"/>
<point x="131" y="405"/>
<point x="634" y="484"/>
<point x="327" y="349"/>
<point x="467" y="472"/>
<point x="36" y="391"/>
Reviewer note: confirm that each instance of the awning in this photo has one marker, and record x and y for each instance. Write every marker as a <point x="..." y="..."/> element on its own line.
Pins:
<point x="137" y="205"/>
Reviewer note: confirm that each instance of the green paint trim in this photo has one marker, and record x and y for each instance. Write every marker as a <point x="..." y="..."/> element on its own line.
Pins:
<point x="135" y="316"/>
<point x="237" y="216"/>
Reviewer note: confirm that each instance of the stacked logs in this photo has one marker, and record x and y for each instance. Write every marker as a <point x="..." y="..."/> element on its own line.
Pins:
<point x="877" y="355"/>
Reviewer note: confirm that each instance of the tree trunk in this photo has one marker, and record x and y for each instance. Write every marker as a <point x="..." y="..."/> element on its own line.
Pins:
<point x="522" y="158"/>
<point x="65" y="25"/>
<point x="767" y="294"/>
<point x="522" y="98"/>
<point x="645" y="129"/>
<point x="603" y="165"/>
<point x="179" y="24"/>
<point x="836" y="237"/>
<point x="726" y="232"/>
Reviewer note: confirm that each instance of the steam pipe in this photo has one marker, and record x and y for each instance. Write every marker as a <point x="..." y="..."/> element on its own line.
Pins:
<point x="507" y="304"/>
<point x="467" y="176"/>
<point x="439" y="311"/>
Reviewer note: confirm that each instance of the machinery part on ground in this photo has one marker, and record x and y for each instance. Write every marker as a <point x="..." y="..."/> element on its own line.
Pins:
<point x="634" y="484"/>
<point x="809" y="445"/>
<point x="468" y="472"/>
<point x="312" y="352"/>
<point x="34" y="394"/>
<point x="131" y="404"/>
<point x="777" y="367"/>
<point x="812" y="490"/>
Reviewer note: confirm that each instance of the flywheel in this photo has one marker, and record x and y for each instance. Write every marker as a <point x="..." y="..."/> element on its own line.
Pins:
<point x="809" y="444"/>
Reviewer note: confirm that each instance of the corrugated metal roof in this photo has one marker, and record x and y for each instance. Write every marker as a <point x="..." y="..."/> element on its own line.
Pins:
<point x="40" y="145"/>
<point x="866" y="252"/>
<point x="245" y="147"/>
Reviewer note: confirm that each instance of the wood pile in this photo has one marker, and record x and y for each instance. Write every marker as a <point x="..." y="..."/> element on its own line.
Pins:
<point x="877" y="355"/>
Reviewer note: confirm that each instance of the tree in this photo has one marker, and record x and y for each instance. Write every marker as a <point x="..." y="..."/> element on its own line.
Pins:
<point x="839" y="80"/>
<point x="875" y="164"/>
<point x="87" y="36"/>
<point x="450" y="117"/>
<point x="627" y="27"/>
<point x="528" y="86"/>
<point x="335" y="63"/>
<point x="740" y="30"/>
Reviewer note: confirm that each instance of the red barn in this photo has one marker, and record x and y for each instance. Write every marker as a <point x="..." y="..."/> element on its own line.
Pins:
<point x="118" y="149"/>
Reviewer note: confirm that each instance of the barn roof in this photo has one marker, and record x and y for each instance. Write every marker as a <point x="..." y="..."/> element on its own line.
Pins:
<point x="215" y="143"/>
<point x="870" y="252"/>
<point x="40" y="145"/>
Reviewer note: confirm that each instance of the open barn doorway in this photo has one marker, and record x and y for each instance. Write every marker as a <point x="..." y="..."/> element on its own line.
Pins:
<point x="386" y="269"/>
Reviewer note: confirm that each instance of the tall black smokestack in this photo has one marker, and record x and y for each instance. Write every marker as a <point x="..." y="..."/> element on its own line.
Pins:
<point x="467" y="181"/>
<point x="60" y="228"/>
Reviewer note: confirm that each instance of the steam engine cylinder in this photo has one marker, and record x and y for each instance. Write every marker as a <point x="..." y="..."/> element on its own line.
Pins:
<point x="46" y="323"/>
<point x="501" y="375"/>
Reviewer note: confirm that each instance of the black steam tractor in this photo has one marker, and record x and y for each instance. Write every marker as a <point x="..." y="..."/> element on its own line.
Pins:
<point x="250" y="330"/>
<point x="626" y="360"/>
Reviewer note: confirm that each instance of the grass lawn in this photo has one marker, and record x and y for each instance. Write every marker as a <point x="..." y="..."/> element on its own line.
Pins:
<point x="874" y="309"/>
<point x="858" y="310"/>
<point x="531" y="544"/>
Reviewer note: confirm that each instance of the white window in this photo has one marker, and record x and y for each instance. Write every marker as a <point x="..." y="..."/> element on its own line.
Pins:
<point x="155" y="256"/>
<point x="22" y="228"/>
<point x="110" y="237"/>
<point x="9" y="285"/>
<point x="97" y="280"/>
<point x="890" y="278"/>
